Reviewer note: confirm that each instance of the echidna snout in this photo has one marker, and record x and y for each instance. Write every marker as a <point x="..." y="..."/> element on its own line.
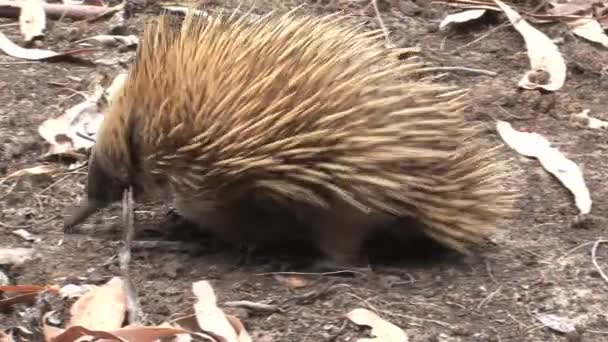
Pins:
<point x="101" y="190"/>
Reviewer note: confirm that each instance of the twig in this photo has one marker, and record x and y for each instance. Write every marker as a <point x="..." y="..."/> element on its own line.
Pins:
<point x="489" y="297"/>
<point x="10" y="189"/>
<point x="19" y="62"/>
<point x="483" y="36"/>
<point x="594" y="260"/>
<point x="253" y="306"/>
<point x="124" y="257"/>
<point x="55" y="183"/>
<point x="309" y="273"/>
<point x="381" y="23"/>
<point x="29" y="225"/>
<point x="458" y="68"/>
<point x="585" y="244"/>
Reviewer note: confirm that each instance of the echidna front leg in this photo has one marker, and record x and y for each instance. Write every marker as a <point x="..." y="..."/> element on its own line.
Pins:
<point x="341" y="234"/>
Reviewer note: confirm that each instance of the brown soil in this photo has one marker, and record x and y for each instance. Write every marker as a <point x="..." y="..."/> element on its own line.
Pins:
<point x="531" y="271"/>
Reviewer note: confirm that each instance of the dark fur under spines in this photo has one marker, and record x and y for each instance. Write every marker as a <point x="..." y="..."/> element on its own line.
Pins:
<point x="305" y="112"/>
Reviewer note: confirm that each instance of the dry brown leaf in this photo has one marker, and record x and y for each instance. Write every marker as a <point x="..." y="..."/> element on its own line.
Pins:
<point x="210" y="318"/>
<point x="27" y="294"/>
<point x="28" y="298"/>
<point x="579" y="7"/>
<point x="102" y="308"/>
<point x="32" y="19"/>
<point x="35" y="170"/>
<point x="552" y="159"/>
<point x="589" y="29"/>
<point x="131" y="333"/>
<point x="548" y="68"/>
<point x="74" y="333"/>
<point x="462" y="17"/>
<point x="382" y="330"/>
<point x="191" y="324"/>
<point x="17" y="51"/>
<point x="74" y="129"/>
<point x="29" y="288"/>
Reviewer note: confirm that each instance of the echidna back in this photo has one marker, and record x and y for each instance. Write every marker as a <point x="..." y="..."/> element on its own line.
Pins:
<point x="301" y="107"/>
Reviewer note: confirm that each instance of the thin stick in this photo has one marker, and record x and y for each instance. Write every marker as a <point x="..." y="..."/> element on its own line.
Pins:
<point x="381" y="22"/>
<point x="489" y="297"/>
<point x="458" y="68"/>
<point x="124" y="257"/>
<point x="594" y="260"/>
<point x="309" y="273"/>
<point x="483" y="36"/>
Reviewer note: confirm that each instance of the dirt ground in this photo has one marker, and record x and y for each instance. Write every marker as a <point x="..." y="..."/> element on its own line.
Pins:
<point x="535" y="268"/>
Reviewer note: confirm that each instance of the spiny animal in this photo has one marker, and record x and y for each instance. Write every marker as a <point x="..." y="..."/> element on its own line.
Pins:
<point x="307" y="116"/>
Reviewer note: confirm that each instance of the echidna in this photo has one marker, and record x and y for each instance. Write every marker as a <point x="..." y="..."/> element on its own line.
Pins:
<point x="308" y="116"/>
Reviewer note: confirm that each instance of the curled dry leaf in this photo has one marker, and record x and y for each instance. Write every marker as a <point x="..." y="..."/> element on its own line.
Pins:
<point x="548" y="68"/>
<point x="382" y="330"/>
<point x="132" y="333"/>
<point x="210" y="318"/>
<point x="589" y="29"/>
<point x="191" y="324"/>
<point x="17" y="51"/>
<point x="102" y="308"/>
<point x="74" y="130"/>
<point x="32" y="19"/>
<point x="462" y="17"/>
<point x="564" y="169"/>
